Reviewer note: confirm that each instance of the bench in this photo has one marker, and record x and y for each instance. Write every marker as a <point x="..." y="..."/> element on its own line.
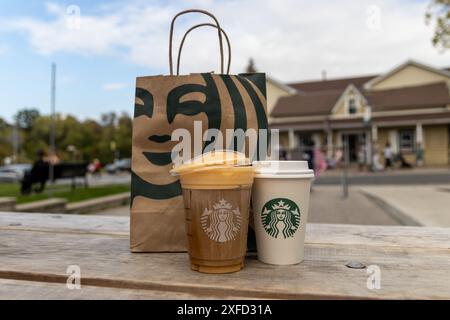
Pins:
<point x="37" y="249"/>
<point x="71" y="171"/>
<point x="41" y="174"/>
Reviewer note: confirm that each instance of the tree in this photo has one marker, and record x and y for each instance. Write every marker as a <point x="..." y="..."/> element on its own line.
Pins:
<point x="5" y="140"/>
<point x="75" y="140"/>
<point x="123" y="135"/>
<point x="439" y="11"/>
<point x="25" y="118"/>
<point x="251" y="66"/>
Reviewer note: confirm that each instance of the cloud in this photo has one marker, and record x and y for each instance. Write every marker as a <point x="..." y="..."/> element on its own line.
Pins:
<point x="114" y="86"/>
<point x="290" y="39"/>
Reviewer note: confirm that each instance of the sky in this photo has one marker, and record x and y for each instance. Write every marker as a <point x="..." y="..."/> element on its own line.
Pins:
<point x="100" y="47"/>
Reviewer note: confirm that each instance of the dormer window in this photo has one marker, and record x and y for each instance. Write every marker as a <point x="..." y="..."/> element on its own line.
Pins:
<point x="352" y="109"/>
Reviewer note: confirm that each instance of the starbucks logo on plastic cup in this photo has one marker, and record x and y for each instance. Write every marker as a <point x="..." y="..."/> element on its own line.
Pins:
<point x="221" y="223"/>
<point x="280" y="218"/>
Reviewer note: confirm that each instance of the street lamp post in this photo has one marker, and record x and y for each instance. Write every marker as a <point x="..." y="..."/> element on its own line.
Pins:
<point x="52" y="129"/>
<point x="367" y="121"/>
<point x="345" y="171"/>
<point x="15" y="142"/>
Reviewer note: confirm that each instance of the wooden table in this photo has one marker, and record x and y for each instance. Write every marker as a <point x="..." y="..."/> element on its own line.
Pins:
<point x="36" y="249"/>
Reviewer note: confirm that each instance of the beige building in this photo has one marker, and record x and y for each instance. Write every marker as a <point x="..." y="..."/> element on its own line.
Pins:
<point x="408" y="106"/>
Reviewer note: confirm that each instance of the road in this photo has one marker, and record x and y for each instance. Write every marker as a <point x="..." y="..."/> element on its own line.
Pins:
<point x="399" y="177"/>
<point x="429" y="177"/>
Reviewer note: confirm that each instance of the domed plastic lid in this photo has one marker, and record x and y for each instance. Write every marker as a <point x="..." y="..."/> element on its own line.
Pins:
<point x="213" y="159"/>
<point x="282" y="169"/>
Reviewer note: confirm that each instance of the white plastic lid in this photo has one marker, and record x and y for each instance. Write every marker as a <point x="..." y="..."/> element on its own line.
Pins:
<point x="282" y="169"/>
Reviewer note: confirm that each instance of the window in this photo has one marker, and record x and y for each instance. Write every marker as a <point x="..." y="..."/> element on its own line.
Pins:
<point x="352" y="106"/>
<point x="406" y="140"/>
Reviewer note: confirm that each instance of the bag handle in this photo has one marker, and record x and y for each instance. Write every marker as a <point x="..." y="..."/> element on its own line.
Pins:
<point x="198" y="26"/>
<point x="171" y="35"/>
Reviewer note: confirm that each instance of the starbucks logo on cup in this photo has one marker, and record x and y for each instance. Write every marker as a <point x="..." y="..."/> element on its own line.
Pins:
<point x="222" y="222"/>
<point x="280" y="218"/>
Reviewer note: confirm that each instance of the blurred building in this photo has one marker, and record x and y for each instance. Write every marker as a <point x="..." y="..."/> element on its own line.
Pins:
<point x="409" y="106"/>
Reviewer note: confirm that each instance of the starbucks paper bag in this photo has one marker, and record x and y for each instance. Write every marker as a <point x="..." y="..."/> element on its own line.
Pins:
<point x="162" y="105"/>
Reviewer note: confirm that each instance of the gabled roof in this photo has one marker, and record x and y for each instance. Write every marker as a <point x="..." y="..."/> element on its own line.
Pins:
<point x="431" y="95"/>
<point x="334" y="84"/>
<point x="322" y="103"/>
<point x="281" y="85"/>
<point x="306" y="104"/>
<point x="382" y="77"/>
<point x="347" y="90"/>
<point x="320" y="97"/>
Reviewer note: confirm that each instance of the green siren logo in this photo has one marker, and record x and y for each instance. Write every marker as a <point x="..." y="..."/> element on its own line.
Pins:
<point x="222" y="222"/>
<point x="280" y="217"/>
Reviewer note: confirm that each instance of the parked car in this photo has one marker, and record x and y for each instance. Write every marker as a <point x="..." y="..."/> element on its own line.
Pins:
<point x="119" y="165"/>
<point x="14" y="172"/>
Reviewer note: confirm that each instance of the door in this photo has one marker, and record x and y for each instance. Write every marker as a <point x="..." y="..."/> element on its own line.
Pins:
<point x="355" y="141"/>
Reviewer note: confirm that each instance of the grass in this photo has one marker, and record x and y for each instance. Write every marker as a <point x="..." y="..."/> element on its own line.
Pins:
<point x="62" y="191"/>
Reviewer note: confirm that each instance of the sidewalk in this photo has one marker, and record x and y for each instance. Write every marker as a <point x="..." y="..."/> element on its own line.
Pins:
<point x="328" y="206"/>
<point x="425" y="205"/>
<point x="353" y="171"/>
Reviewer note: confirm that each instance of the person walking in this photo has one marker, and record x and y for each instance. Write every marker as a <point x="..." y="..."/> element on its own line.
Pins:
<point x="361" y="157"/>
<point x="376" y="162"/>
<point x="388" y="156"/>
<point x="320" y="163"/>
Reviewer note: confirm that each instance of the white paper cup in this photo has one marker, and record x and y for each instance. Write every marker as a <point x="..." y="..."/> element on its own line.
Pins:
<point x="280" y="200"/>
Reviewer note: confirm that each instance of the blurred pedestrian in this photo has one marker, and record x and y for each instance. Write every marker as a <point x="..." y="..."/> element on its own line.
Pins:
<point x="338" y="155"/>
<point x="37" y="174"/>
<point x="376" y="163"/>
<point x="388" y="154"/>
<point x="361" y="157"/>
<point x="320" y="163"/>
<point x="52" y="158"/>
<point x="95" y="167"/>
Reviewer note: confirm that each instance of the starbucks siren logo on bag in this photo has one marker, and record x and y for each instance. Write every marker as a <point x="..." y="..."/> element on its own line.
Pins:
<point x="222" y="222"/>
<point x="280" y="218"/>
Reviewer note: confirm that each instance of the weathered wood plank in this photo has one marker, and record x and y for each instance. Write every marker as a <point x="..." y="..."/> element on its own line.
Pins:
<point x="27" y="290"/>
<point x="64" y="223"/>
<point x="105" y="260"/>
<point x="418" y="237"/>
<point x="383" y="236"/>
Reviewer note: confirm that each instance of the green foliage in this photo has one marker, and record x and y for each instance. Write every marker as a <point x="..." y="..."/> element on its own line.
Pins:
<point x="5" y="139"/>
<point x="25" y="118"/>
<point x="75" y="140"/>
<point x="439" y="11"/>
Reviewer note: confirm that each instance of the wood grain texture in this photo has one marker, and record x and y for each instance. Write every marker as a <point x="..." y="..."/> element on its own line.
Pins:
<point x="416" y="237"/>
<point x="66" y="223"/>
<point x="414" y="262"/>
<point x="27" y="290"/>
